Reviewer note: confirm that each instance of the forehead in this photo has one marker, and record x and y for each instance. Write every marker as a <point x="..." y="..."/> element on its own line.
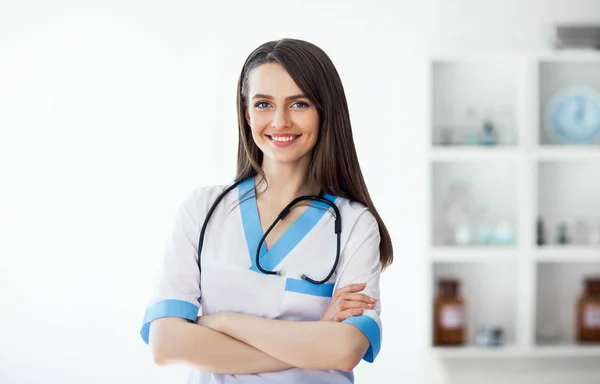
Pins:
<point x="271" y="79"/>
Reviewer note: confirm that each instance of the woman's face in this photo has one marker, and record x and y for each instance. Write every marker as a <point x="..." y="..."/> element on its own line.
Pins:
<point x="284" y="122"/>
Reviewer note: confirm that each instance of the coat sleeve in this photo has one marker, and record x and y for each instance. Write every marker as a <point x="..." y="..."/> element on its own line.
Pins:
<point x="176" y="290"/>
<point x="363" y="266"/>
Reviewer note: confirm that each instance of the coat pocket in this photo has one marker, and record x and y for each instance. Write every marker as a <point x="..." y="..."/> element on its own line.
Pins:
<point x="305" y="301"/>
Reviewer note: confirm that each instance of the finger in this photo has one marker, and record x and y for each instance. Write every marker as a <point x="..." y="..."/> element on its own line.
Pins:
<point x="358" y="297"/>
<point x="349" y="288"/>
<point x="347" y="304"/>
<point x="343" y="315"/>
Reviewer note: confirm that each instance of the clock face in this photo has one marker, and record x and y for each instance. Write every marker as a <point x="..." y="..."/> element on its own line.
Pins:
<point x="573" y="116"/>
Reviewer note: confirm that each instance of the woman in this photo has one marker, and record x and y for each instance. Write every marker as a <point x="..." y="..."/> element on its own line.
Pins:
<point x="261" y="319"/>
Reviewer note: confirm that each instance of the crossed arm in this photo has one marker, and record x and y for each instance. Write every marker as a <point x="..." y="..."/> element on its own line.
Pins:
<point x="245" y="344"/>
<point x="176" y="341"/>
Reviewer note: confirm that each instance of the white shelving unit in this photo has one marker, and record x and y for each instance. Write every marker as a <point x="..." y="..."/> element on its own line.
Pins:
<point x="513" y="352"/>
<point x="527" y="289"/>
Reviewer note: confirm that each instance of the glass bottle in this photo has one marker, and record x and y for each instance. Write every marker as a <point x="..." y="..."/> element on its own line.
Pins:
<point x="541" y="232"/>
<point x="504" y="233"/>
<point x="449" y="314"/>
<point x="488" y="136"/>
<point x="463" y="233"/>
<point x="562" y="234"/>
<point x="484" y="226"/>
<point x="588" y="312"/>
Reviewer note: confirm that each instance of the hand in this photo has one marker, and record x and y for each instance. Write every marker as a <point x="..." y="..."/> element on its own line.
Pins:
<point x="347" y="303"/>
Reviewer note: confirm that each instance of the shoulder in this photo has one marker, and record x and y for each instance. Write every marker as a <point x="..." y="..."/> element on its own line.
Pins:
<point x="202" y="194"/>
<point x="361" y="237"/>
<point x="198" y="200"/>
<point x="357" y="219"/>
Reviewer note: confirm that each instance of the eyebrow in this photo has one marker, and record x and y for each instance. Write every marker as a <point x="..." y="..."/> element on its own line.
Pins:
<point x="268" y="97"/>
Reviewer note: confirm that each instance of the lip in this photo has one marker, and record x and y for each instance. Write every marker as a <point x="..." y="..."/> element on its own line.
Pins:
<point x="285" y="143"/>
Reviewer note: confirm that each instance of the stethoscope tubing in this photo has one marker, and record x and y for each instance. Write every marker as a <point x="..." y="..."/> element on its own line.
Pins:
<point x="282" y="215"/>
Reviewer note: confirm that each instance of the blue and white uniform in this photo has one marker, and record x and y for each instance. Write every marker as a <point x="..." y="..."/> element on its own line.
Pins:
<point x="231" y="282"/>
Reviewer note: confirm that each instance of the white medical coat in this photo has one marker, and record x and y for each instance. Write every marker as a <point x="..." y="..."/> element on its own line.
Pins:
<point x="231" y="282"/>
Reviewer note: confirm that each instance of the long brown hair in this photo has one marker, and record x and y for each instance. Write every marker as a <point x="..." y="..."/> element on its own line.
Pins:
<point x="334" y="163"/>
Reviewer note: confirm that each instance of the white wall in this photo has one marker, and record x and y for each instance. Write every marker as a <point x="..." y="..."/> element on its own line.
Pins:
<point x="110" y="112"/>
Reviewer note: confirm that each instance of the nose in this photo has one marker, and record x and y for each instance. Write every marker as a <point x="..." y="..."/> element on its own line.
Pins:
<point x="280" y="118"/>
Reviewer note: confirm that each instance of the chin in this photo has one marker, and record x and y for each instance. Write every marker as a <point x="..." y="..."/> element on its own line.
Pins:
<point x="287" y="158"/>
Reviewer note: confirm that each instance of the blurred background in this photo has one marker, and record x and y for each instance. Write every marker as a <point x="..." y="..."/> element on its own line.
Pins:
<point x="476" y="123"/>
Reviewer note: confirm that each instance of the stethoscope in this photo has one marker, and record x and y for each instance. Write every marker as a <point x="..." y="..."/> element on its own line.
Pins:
<point x="281" y="216"/>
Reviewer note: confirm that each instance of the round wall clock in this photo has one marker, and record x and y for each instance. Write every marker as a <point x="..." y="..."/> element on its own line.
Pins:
<point x="573" y="116"/>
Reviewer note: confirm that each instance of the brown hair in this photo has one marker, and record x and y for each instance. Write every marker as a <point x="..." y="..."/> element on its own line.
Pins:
<point x="334" y="163"/>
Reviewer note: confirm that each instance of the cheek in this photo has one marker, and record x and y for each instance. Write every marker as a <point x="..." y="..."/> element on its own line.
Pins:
<point x="257" y="123"/>
<point x="311" y="126"/>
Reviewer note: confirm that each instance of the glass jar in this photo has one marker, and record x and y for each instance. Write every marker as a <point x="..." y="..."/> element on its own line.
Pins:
<point x="449" y="314"/>
<point x="588" y="312"/>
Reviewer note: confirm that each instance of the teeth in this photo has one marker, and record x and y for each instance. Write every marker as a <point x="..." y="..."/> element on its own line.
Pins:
<point x="284" y="138"/>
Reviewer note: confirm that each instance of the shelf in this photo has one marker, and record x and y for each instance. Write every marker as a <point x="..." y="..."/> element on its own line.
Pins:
<point x="567" y="253"/>
<point x="476" y="352"/>
<point x="570" y="56"/>
<point x="475" y="101"/>
<point x="559" y="287"/>
<point x="567" y="202"/>
<point x="485" y="202"/>
<point x="544" y="55"/>
<point x="510" y="352"/>
<point x="490" y="292"/>
<point x="558" y="153"/>
<point x="566" y="350"/>
<point x="546" y="153"/>
<point x="473" y="153"/>
<point x="555" y="78"/>
<point x="474" y="203"/>
<point x="482" y="254"/>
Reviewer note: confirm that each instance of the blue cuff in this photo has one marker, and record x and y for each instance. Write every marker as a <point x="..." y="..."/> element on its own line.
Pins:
<point x="370" y="328"/>
<point x="168" y="308"/>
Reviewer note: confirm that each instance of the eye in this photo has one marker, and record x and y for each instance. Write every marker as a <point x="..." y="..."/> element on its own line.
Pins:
<point x="261" y="104"/>
<point x="301" y="104"/>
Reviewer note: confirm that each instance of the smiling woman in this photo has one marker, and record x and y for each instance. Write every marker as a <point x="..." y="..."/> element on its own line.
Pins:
<point x="280" y="113"/>
<point x="255" y="287"/>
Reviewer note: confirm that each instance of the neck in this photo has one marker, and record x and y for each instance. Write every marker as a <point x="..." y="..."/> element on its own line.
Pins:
<point x="285" y="182"/>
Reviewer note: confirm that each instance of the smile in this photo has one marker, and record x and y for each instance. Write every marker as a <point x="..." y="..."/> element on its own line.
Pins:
<point x="282" y="140"/>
